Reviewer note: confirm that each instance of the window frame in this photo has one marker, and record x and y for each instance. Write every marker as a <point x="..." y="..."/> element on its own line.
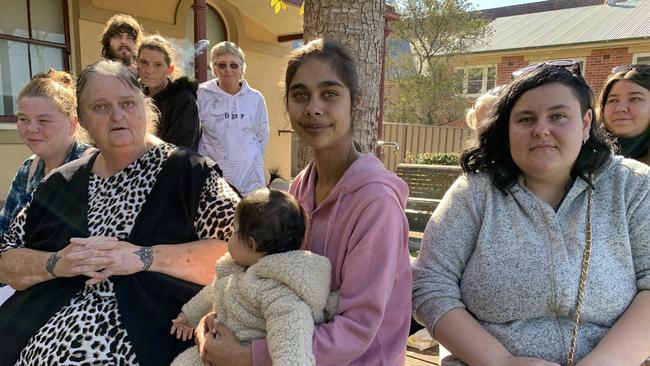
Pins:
<point x="635" y="57"/>
<point x="484" y="79"/>
<point x="65" y="47"/>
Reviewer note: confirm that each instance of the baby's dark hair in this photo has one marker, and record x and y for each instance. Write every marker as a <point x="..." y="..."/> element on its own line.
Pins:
<point x="273" y="218"/>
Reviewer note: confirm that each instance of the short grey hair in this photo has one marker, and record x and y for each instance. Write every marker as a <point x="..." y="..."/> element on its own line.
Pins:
<point x="225" y="48"/>
<point x="118" y="70"/>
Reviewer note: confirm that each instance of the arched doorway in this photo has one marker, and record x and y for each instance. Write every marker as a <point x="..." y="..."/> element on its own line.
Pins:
<point x="215" y="30"/>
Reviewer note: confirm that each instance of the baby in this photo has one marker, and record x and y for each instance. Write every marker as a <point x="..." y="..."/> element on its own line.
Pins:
<point x="265" y="286"/>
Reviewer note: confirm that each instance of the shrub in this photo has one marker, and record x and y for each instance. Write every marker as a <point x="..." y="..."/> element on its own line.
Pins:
<point x="434" y="159"/>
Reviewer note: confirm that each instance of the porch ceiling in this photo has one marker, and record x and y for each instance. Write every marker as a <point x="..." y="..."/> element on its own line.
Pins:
<point x="158" y="10"/>
<point x="285" y="22"/>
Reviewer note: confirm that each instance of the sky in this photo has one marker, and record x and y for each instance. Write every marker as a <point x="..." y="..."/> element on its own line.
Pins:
<point x="488" y="4"/>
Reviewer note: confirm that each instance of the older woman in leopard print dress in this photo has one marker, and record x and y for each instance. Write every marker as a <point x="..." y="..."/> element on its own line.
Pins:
<point x="113" y="244"/>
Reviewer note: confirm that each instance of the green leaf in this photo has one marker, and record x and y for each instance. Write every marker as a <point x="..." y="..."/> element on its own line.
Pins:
<point x="436" y="159"/>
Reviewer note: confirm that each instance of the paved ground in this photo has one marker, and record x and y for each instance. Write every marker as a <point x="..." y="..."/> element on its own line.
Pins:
<point x="415" y="357"/>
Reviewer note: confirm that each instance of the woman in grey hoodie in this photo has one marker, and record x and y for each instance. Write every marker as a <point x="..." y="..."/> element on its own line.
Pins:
<point x="542" y="201"/>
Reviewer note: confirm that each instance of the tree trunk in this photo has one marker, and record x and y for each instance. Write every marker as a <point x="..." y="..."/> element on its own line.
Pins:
<point x="358" y="24"/>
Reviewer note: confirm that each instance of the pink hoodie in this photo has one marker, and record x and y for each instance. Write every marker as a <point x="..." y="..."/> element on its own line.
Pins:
<point x="361" y="227"/>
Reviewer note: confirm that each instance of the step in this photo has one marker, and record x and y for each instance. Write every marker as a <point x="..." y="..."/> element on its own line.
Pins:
<point x="415" y="239"/>
<point x="422" y="204"/>
<point x="417" y="219"/>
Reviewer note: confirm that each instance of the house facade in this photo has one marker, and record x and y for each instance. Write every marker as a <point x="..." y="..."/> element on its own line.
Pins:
<point x="36" y="35"/>
<point x="598" y="34"/>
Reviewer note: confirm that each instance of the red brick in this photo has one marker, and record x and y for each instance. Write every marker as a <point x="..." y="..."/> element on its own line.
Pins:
<point x="598" y="68"/>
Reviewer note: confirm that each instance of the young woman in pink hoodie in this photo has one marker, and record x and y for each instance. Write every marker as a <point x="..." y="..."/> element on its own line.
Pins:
<point x="355" y="209"/>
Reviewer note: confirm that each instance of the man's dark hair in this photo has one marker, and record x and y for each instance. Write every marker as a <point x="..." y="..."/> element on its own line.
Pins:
<point x="116" y="25"/>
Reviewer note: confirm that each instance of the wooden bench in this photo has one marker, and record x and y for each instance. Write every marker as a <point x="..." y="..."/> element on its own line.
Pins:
<point x="427" y="183"/>
<point x="422" y="204"/>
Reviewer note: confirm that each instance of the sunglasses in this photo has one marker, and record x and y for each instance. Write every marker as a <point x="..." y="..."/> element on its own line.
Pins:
<point x="233" y="66"/>
<point x="626" y="68"/>
<point x="571" y="65"/>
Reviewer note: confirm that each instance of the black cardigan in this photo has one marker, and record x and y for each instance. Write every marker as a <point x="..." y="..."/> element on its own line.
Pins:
<point x="147" y="301"/>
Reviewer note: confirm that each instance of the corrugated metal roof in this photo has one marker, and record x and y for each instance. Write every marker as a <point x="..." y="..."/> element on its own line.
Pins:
<point x="589" y="24"/>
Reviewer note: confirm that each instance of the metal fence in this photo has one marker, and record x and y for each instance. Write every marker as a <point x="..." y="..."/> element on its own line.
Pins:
<point x="418" y="139"/>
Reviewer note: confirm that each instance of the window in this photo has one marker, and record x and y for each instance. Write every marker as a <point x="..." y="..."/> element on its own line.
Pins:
<point x="477" y="80"/>
<point x="33" y="39"/>
<point x="581" y="61"/>
<point x="215" y="32"/>
<point x="641" y="58"/>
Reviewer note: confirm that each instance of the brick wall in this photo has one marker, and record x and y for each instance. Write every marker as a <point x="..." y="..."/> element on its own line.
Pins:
<point x="460" y="123"/>
<point x="599" y="65"/>
<point x="507" y="66"/>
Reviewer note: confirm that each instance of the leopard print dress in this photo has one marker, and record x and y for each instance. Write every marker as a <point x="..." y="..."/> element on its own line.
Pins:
<point x="89" y="329"/>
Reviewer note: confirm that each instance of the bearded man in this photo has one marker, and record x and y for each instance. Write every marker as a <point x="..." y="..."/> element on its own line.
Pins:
<point x="120" y="39"/>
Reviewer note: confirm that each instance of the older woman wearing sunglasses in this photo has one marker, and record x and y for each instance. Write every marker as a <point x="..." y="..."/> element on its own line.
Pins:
<point x="624" y="108"/>
<point x="540" y="253"/>
<point x="234" y="119"/>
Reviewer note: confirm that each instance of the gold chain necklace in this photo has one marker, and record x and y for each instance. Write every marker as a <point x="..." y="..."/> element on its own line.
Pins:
<point x="583" y="281"/>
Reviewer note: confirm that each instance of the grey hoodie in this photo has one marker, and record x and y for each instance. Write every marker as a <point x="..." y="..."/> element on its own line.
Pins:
<point x="514" y="262"/>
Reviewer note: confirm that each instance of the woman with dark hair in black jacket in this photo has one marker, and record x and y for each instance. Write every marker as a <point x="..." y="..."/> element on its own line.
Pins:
<point x="175" y="98"/>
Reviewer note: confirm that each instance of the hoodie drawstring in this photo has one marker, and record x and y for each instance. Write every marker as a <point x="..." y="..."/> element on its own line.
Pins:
<point x="332" y="219"/>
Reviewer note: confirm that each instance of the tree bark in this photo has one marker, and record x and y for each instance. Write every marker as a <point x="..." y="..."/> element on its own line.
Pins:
<point x="358" y="24"/>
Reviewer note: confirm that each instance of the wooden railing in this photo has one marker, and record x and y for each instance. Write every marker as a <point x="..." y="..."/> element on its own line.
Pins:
<point x="418" y="139"/>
